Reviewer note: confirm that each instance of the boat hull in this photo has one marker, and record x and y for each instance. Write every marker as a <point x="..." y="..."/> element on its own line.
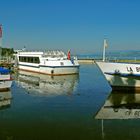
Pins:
<point x="121" y="76"/>
<point x="49" y="70"/>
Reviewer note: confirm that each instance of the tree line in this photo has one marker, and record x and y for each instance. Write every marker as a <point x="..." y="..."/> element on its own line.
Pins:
<point x="6" y="52"/>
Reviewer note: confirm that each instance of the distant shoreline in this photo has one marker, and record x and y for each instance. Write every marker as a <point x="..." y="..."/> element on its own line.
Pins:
<point x="92" y="61"/>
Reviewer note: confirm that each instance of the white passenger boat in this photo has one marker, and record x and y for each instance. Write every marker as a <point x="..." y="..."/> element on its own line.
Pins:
<point x="50" y="62"/>
<point x="5" y="79"/>
<point x="121" y="76"/>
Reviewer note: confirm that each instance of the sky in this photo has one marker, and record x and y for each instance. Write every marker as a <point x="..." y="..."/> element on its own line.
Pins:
<point x="78" y="25"/>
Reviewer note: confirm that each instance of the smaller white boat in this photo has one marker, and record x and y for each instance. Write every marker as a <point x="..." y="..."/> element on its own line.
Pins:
<point x="5" y="79"/>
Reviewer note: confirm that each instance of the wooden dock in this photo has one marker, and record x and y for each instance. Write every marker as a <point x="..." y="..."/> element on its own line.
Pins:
<point x="86" y="61"/>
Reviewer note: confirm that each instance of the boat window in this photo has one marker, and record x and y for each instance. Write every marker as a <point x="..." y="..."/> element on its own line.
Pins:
<point x="29" y="59"/>
<point x="36" y="60"/>
<point x="61" y="63"/>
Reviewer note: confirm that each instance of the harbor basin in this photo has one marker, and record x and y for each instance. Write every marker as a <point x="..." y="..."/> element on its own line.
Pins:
<point x="58" y="108"/>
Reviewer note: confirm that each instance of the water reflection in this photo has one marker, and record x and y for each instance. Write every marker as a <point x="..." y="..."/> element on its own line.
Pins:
<point x="47" y="85"/>
<point x="5" y="99"/>
<point x="120" y="106"/>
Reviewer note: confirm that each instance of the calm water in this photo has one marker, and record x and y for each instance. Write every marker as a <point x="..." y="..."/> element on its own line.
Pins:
<point x="78" y="107"/>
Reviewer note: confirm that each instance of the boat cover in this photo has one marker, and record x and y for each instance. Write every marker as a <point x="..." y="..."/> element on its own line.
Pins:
<point x="4" y="70"/>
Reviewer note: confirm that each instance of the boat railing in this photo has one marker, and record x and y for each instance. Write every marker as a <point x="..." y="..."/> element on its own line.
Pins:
<point x="126" y="60"/>
<point x="54" y="54"/>
<point x="75" y="57"/>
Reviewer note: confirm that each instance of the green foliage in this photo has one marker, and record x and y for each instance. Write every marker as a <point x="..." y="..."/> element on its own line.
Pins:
<point x="7" y="52"/>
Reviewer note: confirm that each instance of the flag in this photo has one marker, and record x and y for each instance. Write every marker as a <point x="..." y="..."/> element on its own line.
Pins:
<point x="105" y="43"/>
<point x="68" y="55"/>
<point x="0" y="31"/>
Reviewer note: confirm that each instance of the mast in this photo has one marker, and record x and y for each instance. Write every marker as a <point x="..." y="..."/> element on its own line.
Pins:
<point x="104" y="48"/>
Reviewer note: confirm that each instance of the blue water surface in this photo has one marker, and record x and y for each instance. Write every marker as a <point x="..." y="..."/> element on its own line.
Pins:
<point x="61" y="108"/>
